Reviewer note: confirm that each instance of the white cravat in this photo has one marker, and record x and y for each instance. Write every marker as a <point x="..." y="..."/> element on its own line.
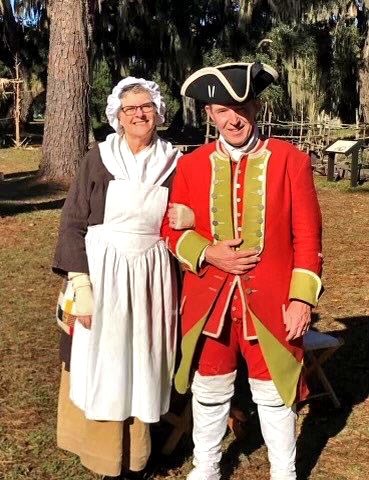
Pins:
<point x="237" y="152"/>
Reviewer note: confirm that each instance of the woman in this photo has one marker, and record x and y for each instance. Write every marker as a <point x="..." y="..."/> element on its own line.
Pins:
<point x="122" y="354"/>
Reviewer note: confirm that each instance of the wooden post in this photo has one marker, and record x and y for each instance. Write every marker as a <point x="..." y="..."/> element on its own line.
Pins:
<point x="328" y="139"/>
<point x="301" y="125"/>
<point x="291" y="126"/>
<point x="354" y="167"/>
<point x="269" y="123"/>
<point x="330" y="168"/>
<point x="17" y="104"/>
<point x="207" y="133"/>
<point x="264" y="117"/>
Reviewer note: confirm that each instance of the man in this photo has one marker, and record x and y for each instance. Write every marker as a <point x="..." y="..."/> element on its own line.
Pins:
<point x="253" y="263"/>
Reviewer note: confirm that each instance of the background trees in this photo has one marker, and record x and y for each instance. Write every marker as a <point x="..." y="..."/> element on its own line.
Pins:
<point x="320" y="49"/>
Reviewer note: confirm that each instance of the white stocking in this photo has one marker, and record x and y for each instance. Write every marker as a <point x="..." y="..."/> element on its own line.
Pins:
<point x="211" y="405"/>
<point x="278" y="426"/>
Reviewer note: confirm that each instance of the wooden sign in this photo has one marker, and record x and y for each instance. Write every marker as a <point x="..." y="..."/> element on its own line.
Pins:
<point x="344" y="146"/>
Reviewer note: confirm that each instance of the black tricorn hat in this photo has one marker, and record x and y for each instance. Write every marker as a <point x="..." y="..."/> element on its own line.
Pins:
<point x="230" y="83"/>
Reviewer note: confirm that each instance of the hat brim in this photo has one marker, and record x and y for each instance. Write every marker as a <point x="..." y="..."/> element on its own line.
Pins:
<point x="230" y="83"/>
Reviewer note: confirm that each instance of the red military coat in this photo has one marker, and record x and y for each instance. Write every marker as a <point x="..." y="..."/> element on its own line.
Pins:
<point x="268" y="199"/>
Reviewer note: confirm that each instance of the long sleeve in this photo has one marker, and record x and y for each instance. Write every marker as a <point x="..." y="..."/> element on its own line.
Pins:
<point x="83" y="207"/>
<point x="186" y="245"/>
<point x="306" y="231"/>
<point x="70" y="254"/>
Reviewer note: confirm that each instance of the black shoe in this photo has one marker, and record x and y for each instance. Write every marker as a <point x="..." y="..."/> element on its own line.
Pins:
<point x="142" y="475"/>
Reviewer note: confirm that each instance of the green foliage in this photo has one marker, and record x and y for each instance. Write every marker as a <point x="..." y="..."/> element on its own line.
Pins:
<point x="288" y="42"/>
<point x="317" y="64"/>
<point x="216" y="56"/>
<point x="172" y="104"/>
<point x="101" y="88"/>
<point x="166" y="40"/>
<point x="5" y="71"/>
<point x="344" y="70"/>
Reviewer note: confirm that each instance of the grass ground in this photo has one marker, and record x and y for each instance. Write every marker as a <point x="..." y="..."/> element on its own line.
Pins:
<point x="14" y="160"/>
<point x="333" y="445"/>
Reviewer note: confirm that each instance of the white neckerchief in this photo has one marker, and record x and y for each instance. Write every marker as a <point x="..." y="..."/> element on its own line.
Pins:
<point x="152" y="165"/>
<point x="237" y="153"/>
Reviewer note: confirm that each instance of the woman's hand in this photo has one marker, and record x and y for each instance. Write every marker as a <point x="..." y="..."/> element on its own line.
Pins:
<point x="85" y="320"/>
<point x="180" y="216"/>
<point x="83" y="297"/>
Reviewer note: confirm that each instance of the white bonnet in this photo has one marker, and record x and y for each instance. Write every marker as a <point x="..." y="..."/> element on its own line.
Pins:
<point x="114" y="104"/>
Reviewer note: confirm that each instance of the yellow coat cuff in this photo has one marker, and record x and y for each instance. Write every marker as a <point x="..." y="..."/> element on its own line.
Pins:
<point x="305" y="285"/>
<point x="189" y="248"/>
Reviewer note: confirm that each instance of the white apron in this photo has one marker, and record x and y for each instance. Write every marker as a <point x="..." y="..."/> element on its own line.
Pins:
<point x="123" y="366"/>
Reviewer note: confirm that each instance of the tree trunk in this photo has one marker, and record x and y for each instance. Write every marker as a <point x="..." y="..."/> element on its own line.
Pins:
<point x="26" y="95"/>
<point x="245" y="14"/>
<point x="364" y="80"/>
<point x="189" y="112"/>
<point x="66" y="119"/>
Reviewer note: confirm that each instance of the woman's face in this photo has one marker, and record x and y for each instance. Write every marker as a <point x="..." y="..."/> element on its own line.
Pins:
<point x="139" y="121"/>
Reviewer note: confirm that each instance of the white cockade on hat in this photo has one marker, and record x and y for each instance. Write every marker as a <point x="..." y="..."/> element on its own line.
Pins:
<point x="113" y="102"/>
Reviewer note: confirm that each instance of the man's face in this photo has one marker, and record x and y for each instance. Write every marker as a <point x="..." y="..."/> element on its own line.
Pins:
<point x="234" y="123"/>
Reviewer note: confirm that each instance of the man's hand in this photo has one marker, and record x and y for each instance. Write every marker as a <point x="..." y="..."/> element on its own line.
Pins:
<point x="223" y="256"/>
<point x="296" y="318"/>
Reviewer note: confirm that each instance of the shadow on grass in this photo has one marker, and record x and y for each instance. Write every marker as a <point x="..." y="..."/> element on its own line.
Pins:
<point x="348" y="372"/>
<point x="26" y="192"/>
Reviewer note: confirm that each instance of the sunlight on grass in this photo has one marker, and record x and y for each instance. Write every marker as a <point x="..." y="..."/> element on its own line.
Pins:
<point x="14" y="160"/>
<point x="29" y="363"/>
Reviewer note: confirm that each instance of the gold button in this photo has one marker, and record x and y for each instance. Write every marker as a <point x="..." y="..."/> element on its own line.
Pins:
<point x="259" y="234"/>
<point x="261" y="207"/>
<point x="214" y="209"/>
<point x="213" y="195"/>
<point x="215" y="222"/>
<point x="239" y="214"/>
<point x="238" y="200"/>
<point x="239" y="229"/>
<point x="216" y="236"/>
<point x="238" y="185"/>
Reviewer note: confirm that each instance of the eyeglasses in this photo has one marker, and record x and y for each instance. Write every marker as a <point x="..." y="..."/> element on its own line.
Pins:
<point x="132" y="109"/>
